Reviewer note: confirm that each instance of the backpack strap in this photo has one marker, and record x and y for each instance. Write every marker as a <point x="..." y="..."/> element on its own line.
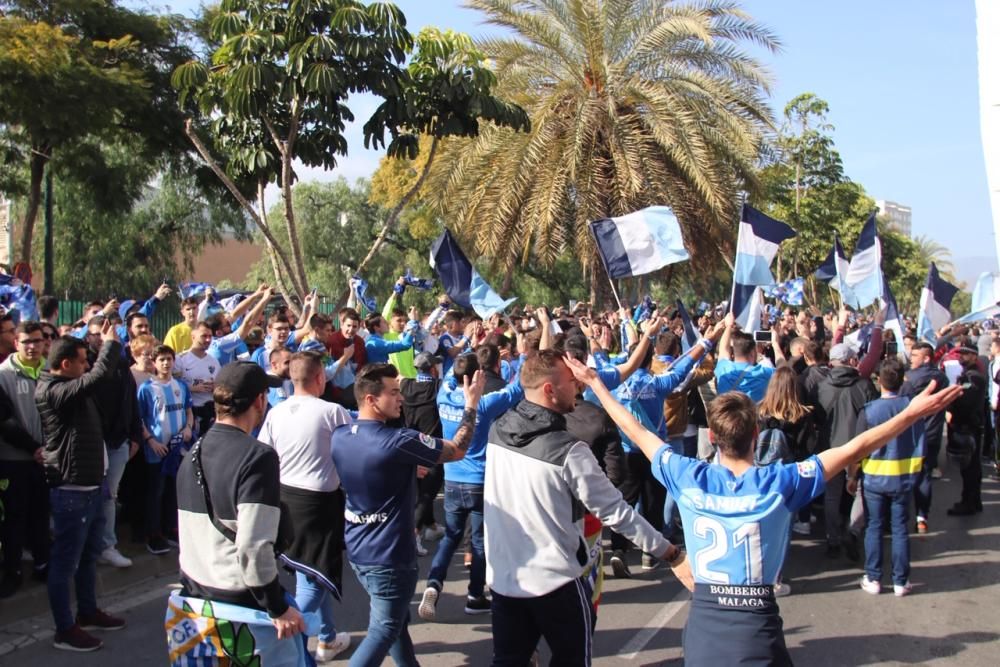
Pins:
<point x="199" y="474"/>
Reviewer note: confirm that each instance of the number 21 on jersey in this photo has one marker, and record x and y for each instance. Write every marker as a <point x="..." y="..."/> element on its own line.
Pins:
<point x="739" y="548"/>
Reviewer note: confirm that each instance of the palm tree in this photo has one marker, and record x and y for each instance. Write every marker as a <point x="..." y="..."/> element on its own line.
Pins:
<point x="632" y="103"/>
<point x="929" y="250"/>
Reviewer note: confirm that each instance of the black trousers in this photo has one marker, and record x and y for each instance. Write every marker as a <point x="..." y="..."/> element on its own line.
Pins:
<point x="25" y="516"/>
<point x="972" y="477"/>
<point x="565" y="618"/>
<point x="427" y="490"/>
<point x="205" y="416"/>
<point x="637" y="484"/>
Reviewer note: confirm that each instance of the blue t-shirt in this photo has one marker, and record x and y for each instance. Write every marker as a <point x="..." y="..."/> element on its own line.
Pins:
<point x="377" y="465"/>
<point x="227" y="349"/>
<point x="471" y="469"/>
<point x="752" y="380"/>
<point x="163" y="410"/>
<point x="736" y="528"/>
<point x="649" y="391"/>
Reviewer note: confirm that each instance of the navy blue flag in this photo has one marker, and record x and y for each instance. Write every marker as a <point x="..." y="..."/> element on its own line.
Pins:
<point x="462" y="283"/>
<point x="690" y="337"/>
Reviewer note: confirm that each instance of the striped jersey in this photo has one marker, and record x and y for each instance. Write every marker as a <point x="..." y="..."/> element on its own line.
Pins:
<point x="163" y="410"/>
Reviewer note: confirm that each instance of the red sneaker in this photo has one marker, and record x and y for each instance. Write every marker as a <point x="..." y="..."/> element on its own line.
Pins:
<point x="99" y="620"/>
<point x="75" y="639"/>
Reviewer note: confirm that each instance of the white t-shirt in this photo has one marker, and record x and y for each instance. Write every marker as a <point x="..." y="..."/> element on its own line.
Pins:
<point x="300" y="429"/>
<point x="193" y="369"/>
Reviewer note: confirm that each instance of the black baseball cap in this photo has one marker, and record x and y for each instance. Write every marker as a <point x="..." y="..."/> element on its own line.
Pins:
<point x="245" y="380"/>
<point x="426" y="361"/>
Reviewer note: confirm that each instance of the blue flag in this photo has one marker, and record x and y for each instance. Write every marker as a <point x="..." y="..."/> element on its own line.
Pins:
<point x="360" y="288"/>
<point x="193" y="289"/>
<point x="419" y="283"/>
<point x="462" y="283"/>
<point x="935" y="305"/>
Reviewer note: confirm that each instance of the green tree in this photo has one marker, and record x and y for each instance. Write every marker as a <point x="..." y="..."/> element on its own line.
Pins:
<point x="276" y="90"/>
<point x="632" y="104"/>
<point x="73" y="72"/>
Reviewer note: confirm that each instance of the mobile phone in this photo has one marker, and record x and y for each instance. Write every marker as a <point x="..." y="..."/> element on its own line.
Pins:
<point x="763" y="336"/>
<point x="891" y="348"/>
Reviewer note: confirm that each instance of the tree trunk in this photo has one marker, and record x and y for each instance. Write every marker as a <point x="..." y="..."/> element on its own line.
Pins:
<point x="40" y="155"/>
<point x="285" y="148"/>
<point x="390" y="222"/>
<point x="272" y="254"/>
<point x="244" y="203"/>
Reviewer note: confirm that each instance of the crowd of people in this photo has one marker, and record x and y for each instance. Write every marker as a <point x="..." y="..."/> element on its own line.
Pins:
<point x="253" y="439"/>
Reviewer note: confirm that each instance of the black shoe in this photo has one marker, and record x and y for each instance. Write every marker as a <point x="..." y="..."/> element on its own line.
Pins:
<point x="852" y="548"/>
<point x="10" y="584"/>
<point x="833" y="551"/>
<point x="477" y="605"/>
<point x="157" y="546"/>
<point x="961" y="509"/>
<point x="619" y="566"/>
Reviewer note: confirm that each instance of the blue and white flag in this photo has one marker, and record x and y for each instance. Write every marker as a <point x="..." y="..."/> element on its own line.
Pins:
<point x="640" y="242"/>
<point x="935" y="302"/>
<point x="834" y="269"/>
<point x="863" y="281"/>
<point x="788" y="292"/>
<point x="193" y="289"/>
<point x="419" y="283"/>
<point x="360" y="288"/>
<point x="644" y="310"/>
<point x="18" y="298"/>
<point x="690" y="337"/>
<point x="756" y="245"/>
<point x="462" y="283"/>
<point x="986" y="293"/>
<point x="893" y="320"/>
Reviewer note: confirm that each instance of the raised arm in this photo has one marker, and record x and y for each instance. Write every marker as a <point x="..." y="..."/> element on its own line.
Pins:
<point x="727" y="334"/>
<point x="262" y="296"/>
<point x="925" y="403"/>
<point x="648" y="442"/>
<point x="454" y="449"/>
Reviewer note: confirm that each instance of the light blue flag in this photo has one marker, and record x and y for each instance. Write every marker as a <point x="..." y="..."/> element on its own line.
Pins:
<point x="484" y="300"/>
<point x="864" y="274"/>
<point x="986" y="293"/>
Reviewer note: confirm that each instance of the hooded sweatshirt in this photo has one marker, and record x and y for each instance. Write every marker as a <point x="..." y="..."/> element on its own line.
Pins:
<point x="540" y="481"/>
<point x="840" y="398"/>
<point x="21" y="432"/>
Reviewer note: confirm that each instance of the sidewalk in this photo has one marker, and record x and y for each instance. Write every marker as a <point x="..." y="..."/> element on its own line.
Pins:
<point x="32" y="599"/>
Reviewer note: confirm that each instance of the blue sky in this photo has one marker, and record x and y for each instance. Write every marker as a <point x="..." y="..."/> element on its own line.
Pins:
<point x="901" y="80"/>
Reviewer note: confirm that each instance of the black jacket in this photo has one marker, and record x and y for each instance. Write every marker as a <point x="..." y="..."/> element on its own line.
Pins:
<point x="117" y="399"/>
<point x="591" y="424"/>
<point x="71" y="422"/>
<point x="840" y="398"/>
<point x="968" y="410"/>
<point x="916" y="381"/>
<point x="420" y="409"/>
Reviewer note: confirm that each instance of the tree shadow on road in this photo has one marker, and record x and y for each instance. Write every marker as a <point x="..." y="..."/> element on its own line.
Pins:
<point x="890" y="647"/>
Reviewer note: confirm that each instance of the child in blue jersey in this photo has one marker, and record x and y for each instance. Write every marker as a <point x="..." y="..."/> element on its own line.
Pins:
<point x="737" y="518"/>
<point x="890" y="475"/>
<point x="165" y="410"/>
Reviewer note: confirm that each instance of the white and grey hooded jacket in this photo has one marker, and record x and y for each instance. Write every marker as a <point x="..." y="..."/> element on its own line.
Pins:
<point x="540" y="481"/>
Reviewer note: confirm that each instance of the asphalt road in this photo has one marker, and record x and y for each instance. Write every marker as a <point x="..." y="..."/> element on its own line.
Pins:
<point x="950" y="619"/>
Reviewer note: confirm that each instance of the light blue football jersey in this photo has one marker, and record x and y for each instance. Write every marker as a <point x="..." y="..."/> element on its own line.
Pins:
<point x="736" y="529"/>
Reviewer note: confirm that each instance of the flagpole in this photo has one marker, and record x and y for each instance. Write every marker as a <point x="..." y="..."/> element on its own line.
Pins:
<point x="614" y="290"/>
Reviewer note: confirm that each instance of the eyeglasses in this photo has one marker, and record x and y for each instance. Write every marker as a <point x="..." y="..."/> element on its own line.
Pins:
<point x="50" y="336"/>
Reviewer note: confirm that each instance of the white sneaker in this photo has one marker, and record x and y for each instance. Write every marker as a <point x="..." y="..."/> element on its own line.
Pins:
<point x="327" y="651"/>
<point x="421" y="550"/>
<point x="781" y="589"/>
<point x="433" y="533"/>
<point x="801" y="527"/>
<point x="428" y="604"/>
<point x="900" y="591"/>
<point x="114" y="558"/>
<point x="869" y="586"/>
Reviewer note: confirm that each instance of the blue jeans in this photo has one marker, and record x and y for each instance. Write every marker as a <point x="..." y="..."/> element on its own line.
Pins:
<point x="390" y="591"/>
<point x="461" y="502"/>
<point x="78" y="538"/>
<point x="310" y="597"/>
<point x="117" y="458"/>
<point x="685" y="446"/>
<point x="897" y="506"/>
